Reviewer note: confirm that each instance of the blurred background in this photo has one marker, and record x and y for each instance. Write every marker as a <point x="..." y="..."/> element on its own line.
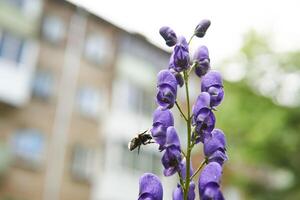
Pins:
<point x="78" y="81"/>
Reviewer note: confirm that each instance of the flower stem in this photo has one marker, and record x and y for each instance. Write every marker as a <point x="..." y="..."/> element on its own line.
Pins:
<point x="188" y="123"/>
<point x="191" y="39"/>
<point x="177" y="105"/>
<point x="199" y="168"/>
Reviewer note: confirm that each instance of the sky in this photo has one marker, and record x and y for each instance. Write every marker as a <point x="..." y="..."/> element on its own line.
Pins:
<point x="230" y="20"/>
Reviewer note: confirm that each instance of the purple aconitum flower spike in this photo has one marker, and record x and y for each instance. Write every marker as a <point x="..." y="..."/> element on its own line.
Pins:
<point x="180" y="58"/>
<point x="150" y="187"/>
<point x="213" y="84"/>
<point x="169" y="35"/>
<point x="201" y="28"/>
<point x="167" y="89"/>
<point x="178" y="194"/>
<point x="215" y="147"/>
<point x="209" y="182"/>
<point x="202" y="61"/>
<point x="162" y="119"/>
<point x="203" y="117"/>
<point x="171" y="159"/>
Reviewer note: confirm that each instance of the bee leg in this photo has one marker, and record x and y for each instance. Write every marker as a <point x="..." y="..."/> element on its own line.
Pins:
<point x="139" y="150"/>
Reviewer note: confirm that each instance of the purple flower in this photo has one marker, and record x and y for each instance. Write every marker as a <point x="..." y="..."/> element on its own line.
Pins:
<point x="150" y="187"/>
<point x="209" y="182"/>
<point x="167" y="89"/>
<point x="169" y="35"/>
<point x="203" y="117"/>
<point x="215" y="146"/>
<point x="201" y="58"/>
<point x="180" y="58"/>
<point x="171" y="159"/>
<point x="178" y="194"/>
<point x="162" y="119"/>
<point x="213" y="84"/>
<point x="202" y="27"/>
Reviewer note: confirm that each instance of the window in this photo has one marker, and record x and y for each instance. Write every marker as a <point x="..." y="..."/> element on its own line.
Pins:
<point x="11" y="47"/>
<point x="82" y="162"/>
<point x="97" y="49"/>
<point x="43" y="84"/>
<point x="89" y="102"/>
<point x="138" y="99"/>
<point x="17" y="3"/>
<point x="53" y="29"/>
<point x="150" y="161"/>
<point x="27" y="147"/>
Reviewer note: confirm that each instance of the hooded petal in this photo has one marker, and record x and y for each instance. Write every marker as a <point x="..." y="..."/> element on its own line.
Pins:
<point x="150" y="187"/>
<point x="180" y="58"/>
<point x="164" y="117"/>
<point x="210" y="174"/>
<point x="216" y="94"/>
<point x="218" y="156"/>
<point x="171" y="161"/>
<point x="169" y="35"/>
<point x="172" y="138"/>
<point x="165" y="77"/>
<point x="201" y="53"/>
<point x="202" y="27"/>
<point x="166" y="97"/>
<point x="212" y="78"/>
<point x="212" y="191"/>
<point x="178" y="194"/>
<point x="203" y="101"/>
<point x="215" y="142"/>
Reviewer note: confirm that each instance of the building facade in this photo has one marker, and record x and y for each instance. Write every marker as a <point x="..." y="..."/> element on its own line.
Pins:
<point x="74" y="89"/>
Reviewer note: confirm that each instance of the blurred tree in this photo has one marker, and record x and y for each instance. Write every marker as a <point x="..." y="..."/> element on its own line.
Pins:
<point x="263" y="137"/>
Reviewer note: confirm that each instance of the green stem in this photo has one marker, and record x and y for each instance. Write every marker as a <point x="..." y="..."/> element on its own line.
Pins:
<point x="177" y="105"/>
<point x="191" y="39"/>
<point x="199" y="168"/>
<point x="188" y="150"/>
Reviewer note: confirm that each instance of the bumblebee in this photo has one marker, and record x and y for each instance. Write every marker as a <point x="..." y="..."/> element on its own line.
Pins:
<point x="140" y="139"/>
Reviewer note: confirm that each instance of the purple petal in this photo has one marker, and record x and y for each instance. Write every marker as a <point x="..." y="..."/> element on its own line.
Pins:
<point x="169" y="35"/>
<point x="218" y="156"/>
<point x="212" y="191"/>
<point x="212" y="78"/>
<point x="215" y="142"/>
<point x="164" y="117"/>
<point x="165" y="77"/>
<point x="166" y="97"/>
<point x="178" y="194"/>
<point x="172" y="138"/>
<point x="180" y="58"/>
<point x="150" y="187"/>
<point x="216" y="94"/>
<point x="203" y="101"/>
<point x="158" y="133"/>
<point x="201" y="54"/>
<point x="211" y="173"/>
<point x="202" y="27"/>
<point x="171" y="161"/>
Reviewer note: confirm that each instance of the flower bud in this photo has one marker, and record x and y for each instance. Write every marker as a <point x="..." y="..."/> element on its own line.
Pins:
<point x="169" y="35"/>
<point x="202" y="27"/>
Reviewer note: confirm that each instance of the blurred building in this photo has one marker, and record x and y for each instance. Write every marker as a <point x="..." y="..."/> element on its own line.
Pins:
<point x="74" y="89"/>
